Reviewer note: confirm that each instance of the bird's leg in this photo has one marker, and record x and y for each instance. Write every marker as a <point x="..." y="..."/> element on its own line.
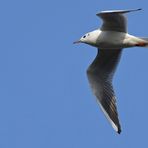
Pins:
<point x="141" y="44"/>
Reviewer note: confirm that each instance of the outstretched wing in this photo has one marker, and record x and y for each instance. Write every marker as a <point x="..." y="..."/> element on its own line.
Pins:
<point x="114" y="20"/>
<point x="100" y="74"/>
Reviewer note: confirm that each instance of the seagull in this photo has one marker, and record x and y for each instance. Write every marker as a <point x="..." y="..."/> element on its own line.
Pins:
<point x="110" y="40"/>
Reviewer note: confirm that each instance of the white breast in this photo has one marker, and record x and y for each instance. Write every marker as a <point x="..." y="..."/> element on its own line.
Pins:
<point x="110" y="39"/>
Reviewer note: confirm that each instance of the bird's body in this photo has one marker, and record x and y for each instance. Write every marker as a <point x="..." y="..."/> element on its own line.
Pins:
<point x="110" y="39"/>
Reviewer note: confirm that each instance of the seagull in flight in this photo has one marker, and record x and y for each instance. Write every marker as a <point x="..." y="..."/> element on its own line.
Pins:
<point x="110" y="39"/>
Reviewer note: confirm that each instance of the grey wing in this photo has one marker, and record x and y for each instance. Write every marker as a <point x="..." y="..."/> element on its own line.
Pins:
<point x="100" y="74"/>
<point x="114" y="20"/>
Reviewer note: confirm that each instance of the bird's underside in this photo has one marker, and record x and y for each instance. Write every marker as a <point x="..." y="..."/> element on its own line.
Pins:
<point x="101" y="71"/>
<point x="111" y="38"/>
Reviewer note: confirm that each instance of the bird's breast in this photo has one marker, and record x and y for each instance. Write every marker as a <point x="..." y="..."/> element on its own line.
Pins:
<point x="110" y="40"/>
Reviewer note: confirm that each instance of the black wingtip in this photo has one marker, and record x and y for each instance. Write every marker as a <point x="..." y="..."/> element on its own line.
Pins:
<point x="119" y="131"/>
<point x="139" y="9"/>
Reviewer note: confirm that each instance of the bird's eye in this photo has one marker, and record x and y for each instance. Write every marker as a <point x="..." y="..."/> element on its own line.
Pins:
<point x="84" y="36"/>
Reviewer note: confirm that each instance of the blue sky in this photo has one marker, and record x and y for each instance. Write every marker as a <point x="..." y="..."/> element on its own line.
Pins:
<point x="45" y="99"/>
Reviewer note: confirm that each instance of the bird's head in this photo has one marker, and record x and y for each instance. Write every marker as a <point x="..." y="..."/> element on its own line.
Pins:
<point x="84" y="39"/>
<point x="89" y="38"/>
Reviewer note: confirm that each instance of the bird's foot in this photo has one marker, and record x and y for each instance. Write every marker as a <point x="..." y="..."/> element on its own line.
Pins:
<point x="141" y="44"/>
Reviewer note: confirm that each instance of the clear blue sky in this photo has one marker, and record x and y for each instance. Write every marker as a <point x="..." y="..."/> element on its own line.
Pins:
<point x="45" y="99"/>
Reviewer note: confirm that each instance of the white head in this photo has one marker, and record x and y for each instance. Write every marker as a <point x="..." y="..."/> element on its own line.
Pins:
<point x="89" y="38"/>
<point x="84" y="39"/>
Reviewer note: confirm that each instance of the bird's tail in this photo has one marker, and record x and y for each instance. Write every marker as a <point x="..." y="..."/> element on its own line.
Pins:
<point x="143" y="42"/>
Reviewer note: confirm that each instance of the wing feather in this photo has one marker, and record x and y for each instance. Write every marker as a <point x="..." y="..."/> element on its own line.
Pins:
<point x="100" y="74"/>
<point x="114" y="20"/>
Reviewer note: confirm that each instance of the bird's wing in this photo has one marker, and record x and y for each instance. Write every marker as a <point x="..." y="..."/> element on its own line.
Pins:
<point x="100" y="74"/>
<point x="114" y="20"/>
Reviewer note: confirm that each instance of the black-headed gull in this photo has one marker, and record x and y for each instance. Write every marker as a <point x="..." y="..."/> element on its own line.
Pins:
<point x="111" y="38"/>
